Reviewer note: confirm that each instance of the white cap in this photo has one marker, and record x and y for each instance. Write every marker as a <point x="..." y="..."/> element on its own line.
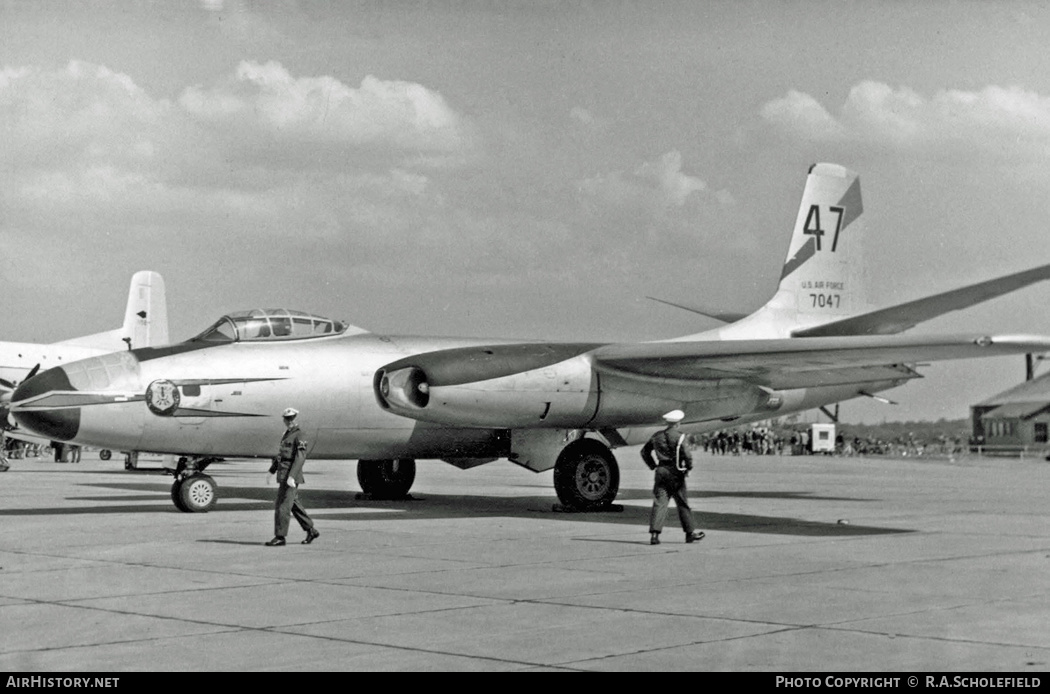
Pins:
<point x="674" y="416"/>
<point x="291" y="412"/>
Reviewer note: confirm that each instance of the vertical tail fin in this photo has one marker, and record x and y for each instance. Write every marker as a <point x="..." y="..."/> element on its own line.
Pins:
<point x="145" y="318"/>
<point x="146" y="315"/>
<point x="824" y="276"/>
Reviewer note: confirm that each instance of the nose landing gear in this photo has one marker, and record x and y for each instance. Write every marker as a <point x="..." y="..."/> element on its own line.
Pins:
<point x="193" y="491"/>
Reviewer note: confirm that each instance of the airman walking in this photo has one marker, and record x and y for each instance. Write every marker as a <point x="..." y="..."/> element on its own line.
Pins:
<point x="288" y="466"/>
<point x="673" y="462"/>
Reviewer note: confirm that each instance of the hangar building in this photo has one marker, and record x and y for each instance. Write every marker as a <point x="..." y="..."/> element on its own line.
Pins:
<point x="1015" y="420"/>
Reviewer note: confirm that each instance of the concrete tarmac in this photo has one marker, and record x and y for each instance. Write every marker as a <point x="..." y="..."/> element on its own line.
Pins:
<point x="810" y="564"/>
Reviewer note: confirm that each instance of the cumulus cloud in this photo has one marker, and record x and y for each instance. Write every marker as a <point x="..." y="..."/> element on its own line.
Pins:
<point x="85" y="133"/>
<point x="996" y="120"/>
<point x="656" y="200"/>
<point x="802" y="115"/>
<point x="656" y="185"/>
<point x="84" y="113"/>
<point x="268" y="98"/>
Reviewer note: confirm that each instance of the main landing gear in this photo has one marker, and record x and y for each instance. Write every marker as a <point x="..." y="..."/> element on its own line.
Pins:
<point x="386" y="479"/>
<point x="586" y="476"/>
<point x="193" y="491"/>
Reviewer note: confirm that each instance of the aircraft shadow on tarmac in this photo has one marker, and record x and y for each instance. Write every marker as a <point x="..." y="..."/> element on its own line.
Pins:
<point x="325" y="505"/>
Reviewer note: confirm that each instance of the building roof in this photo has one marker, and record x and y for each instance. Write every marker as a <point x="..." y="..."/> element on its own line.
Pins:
<point x="1017" y="410"/>
<point x="1036" y="390"/>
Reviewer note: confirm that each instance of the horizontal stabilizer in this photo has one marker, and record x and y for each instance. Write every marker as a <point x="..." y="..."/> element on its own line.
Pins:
<point x="724" y="316"/>
<point x="896" y="319"/>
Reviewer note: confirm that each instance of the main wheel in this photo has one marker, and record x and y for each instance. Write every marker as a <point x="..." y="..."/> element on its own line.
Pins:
<point x="196" y="494"/>
<point x="386" y="479"/>
<point x="586" y="475"/>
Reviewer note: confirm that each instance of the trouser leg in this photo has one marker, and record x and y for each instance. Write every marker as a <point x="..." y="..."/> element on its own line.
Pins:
<point x="681" y="502"/>
<point x="305" y="522"/>
<point x="658" y="514"/>
<point x="283" y="509"/>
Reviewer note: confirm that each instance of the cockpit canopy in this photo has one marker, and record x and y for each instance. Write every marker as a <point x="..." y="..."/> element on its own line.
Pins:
<point x="270" y="325"/>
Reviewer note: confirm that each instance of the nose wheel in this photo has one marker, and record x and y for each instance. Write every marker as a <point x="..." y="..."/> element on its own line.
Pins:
<point x="194" y="494"/>
<point x="193" y="491"/>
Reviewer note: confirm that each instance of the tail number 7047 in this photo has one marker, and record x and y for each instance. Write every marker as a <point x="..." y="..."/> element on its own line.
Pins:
<point x="826" y="300"/>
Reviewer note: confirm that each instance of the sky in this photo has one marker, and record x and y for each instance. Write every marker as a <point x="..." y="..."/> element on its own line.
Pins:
<point x="517" y="169"/>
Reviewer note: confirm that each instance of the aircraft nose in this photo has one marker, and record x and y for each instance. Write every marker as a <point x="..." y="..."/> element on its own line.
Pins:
<point x="36" y="405"/>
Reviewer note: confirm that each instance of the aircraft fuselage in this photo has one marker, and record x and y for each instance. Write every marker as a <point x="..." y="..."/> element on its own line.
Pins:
<point x="226" y="399"/>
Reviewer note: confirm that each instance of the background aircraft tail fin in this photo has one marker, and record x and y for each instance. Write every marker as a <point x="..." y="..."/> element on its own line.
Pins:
<point x="824" y="278"/>
<point x="145" y="318"/>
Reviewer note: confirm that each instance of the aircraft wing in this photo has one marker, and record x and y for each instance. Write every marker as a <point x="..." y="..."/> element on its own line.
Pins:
<point x="803" y="363"/>
<point x="896" y="319"/>
<point x="25" y="436"/>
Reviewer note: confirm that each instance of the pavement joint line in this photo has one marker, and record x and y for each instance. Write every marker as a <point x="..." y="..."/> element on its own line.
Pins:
<point x="232" y="628"/>
<point x="283" y="629"/>
<point x="929" y="637"/>
<point x="115" y="642"/>
<point x="416" y="649"/>
<point x="781" y="626"/>
<point x="672" y="647"/>
<point x="962" y="604"/>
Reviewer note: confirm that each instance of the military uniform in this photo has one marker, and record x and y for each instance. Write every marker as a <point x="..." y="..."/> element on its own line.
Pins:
<point x="288" y="466"/>
<point x="673" y="462"/>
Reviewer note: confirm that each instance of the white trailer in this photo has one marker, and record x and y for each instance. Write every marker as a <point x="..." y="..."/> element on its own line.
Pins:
<point x="822" y="438"/>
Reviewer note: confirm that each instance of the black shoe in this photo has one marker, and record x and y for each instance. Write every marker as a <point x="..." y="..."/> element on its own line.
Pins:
<point x="695" y="536"/>
<point x="311" y="535"/>
<point x="276" y="542"/>
<point x="654" y="538"/>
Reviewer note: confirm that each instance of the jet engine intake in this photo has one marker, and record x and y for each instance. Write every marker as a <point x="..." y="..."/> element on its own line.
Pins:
<point x="501" y="386"/>
<point x="406" y="387"/>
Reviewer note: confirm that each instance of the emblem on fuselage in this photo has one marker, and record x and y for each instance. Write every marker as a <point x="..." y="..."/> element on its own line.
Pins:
<point x="162" y="397"/>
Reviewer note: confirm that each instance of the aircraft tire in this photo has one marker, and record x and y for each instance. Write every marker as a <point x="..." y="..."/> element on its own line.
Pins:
<point x="386" y="479"/>
<point x="105" y="454"/>
<point x="176" y="495"/>
<point x="196" y="493"/>
<point x="586" y="475"/>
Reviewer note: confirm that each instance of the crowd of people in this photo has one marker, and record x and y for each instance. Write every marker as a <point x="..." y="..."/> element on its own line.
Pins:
<point x="59" y="452"/>
<point x="797" y="441"/>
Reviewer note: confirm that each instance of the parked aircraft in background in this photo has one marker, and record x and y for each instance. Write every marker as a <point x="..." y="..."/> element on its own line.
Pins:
<point x="388" y="400"/>
<point x="145" y="324"/>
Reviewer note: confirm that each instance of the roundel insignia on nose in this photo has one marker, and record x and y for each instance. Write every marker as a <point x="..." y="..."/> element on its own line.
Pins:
<point x="162" y="397"/>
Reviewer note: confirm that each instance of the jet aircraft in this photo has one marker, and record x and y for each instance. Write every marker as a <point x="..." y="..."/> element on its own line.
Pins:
<point x="145" y="324"/>
<point x="388" y="400"/>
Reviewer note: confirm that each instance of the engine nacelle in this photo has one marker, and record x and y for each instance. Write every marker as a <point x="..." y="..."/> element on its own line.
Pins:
<point x="501" y="386"/>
